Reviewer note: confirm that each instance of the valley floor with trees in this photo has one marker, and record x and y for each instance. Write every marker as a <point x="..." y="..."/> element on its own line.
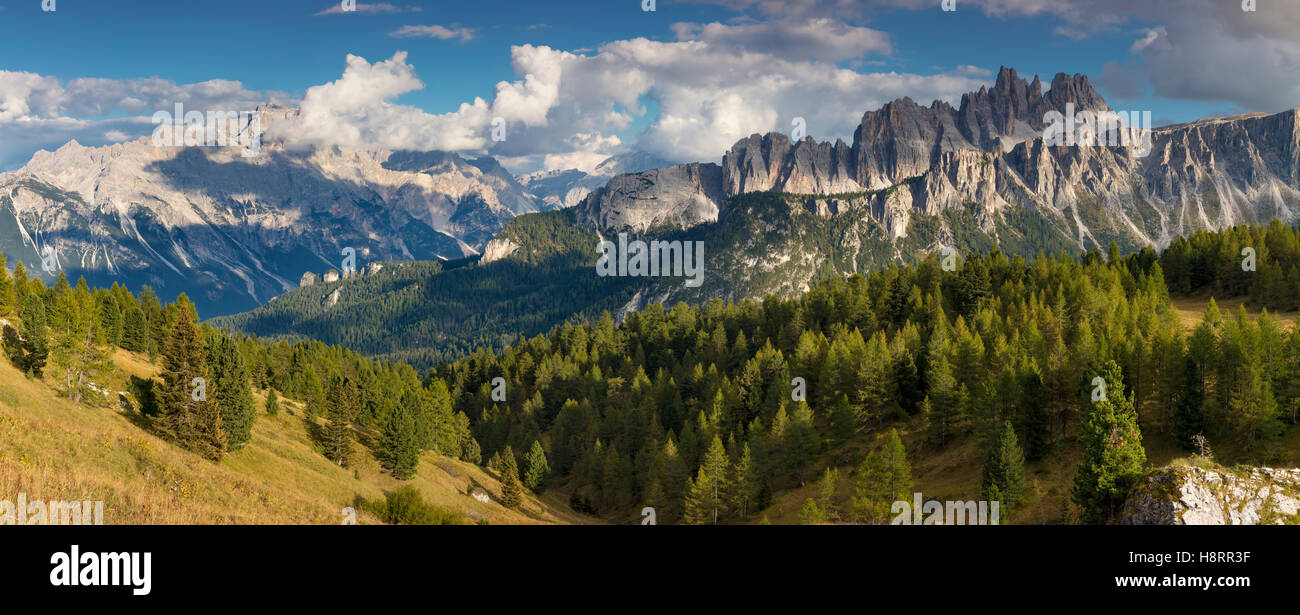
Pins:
<point x="708" y="413"/>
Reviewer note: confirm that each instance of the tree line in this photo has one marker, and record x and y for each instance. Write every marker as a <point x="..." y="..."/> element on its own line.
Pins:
<point x="704" y="412"/>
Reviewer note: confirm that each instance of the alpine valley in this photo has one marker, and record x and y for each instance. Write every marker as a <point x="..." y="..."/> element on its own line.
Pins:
<point x="775" y="215"/>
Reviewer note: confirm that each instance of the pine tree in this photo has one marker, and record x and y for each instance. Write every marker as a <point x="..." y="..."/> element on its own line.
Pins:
<point x="20" y="285"/>
<point x="512" y="493"/>
<point x="941" y="402"/>
<point x="746" y="484"/>
<point x="707" y="500"/>
<point x="878" y="395"/>
<point x="135" y="330"/>
<point x="1004" y="470"/>
<point x="694" y="505"/>
<point x="110" y="320"/>
<point x="1254" y="405"/>
<point x="810" y="514"/>
<point x="536" y="469"/>
<point x="615" y="490"/>
<point x="188" y="416"/>
<point x="826" y="489"/>
<point x="882" y="479"/>
<point x="341" y="405"/>
<point x="802" y="443"/>
<point x="231" y="390"/>
<point x="272" y="403"/>
<point x="398" y="451"/>
<point x="35" y="336"/>
<point x="73" y="345"/>
<point x="8" y="301"/>
<point x="1113" y="457"/>
<point x="1031" y="417"/>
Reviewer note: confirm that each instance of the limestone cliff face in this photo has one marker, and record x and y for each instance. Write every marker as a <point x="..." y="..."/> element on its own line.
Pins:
<point x="760" y="163"/>
<point x="900" y="141"/>
<point x="498" y="249"/>
<point x="917" y="179"/>
<point x="988" y="157"/>
<point x="1189" y="495"/>
<point x="233" y="231"/>
<point x="681" y="196"/>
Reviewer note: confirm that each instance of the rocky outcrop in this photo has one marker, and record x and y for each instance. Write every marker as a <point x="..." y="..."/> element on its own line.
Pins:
<point x="307" y="279"/>
<point x="1189" y="495"/>
<point x="566" y="188"/>
<point x="682" y="196"/>
<point x="498" y="249"/>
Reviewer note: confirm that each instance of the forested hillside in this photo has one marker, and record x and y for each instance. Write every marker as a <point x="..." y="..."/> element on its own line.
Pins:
<point x="424" y="313"/>
<point x="680" y="405"/>
<point x="132" y="402"/>
<point x="1069" y="369"/>
<point x="765" y="244"/>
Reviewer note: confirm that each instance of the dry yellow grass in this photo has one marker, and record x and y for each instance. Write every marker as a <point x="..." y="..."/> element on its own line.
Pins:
<point x="1192" y="309"/>
<point x="52" y="449"/>
<point x="954" y="473"/>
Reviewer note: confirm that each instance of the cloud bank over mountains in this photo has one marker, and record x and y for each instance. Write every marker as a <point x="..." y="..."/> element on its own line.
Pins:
<point x="692" y="97"/>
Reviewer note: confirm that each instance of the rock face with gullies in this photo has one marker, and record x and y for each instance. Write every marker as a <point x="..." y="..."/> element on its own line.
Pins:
<point x="1189" y="495"/>
<point x="988" y="159"/>
<point x="681" y="196"/>
<point x="900" y="141"/>
<point x="760" y="163"/>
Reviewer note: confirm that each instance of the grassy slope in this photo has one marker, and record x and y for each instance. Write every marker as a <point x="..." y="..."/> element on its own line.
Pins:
<point x="1192" y="309"/>
<point x="954" y="473"/>
<point x="53" y="449"/>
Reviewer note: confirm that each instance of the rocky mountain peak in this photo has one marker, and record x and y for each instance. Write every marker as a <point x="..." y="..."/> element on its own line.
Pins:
<point x="1073" y="89"/>
<point x="232" y="231"/>
<point x="899" y="141"/>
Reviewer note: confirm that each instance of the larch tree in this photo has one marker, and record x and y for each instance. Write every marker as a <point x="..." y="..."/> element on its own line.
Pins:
<point x="882" y="479"/>
<point x="1004" y="469"/>
<point x="536" y="469"/>
<point x="512" y="493"/>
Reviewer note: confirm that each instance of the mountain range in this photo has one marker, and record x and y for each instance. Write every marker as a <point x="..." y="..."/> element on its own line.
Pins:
<point x="775" y="214"/>
<point x="235" y="231"/>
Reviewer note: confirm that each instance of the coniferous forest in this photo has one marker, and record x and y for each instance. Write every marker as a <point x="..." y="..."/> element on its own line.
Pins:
<point x="706" y="413"/>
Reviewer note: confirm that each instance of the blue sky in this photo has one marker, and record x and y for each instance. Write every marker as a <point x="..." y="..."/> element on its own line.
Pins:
<point x="279" y="49"/>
